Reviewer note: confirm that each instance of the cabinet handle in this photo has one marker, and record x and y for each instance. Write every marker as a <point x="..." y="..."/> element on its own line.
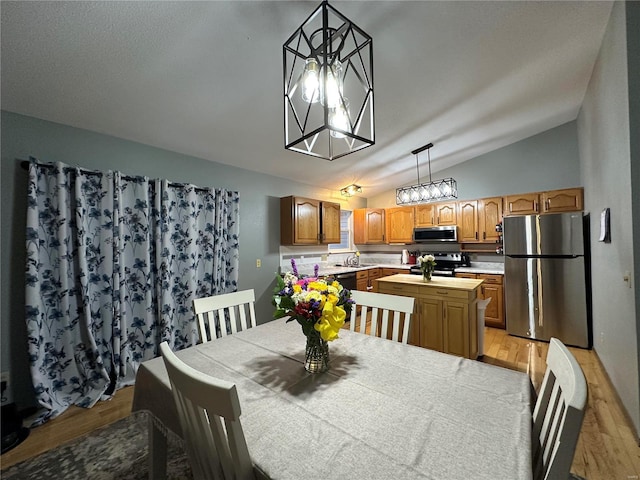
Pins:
<point x="438" y="219"/>
<point x="510" y="207"/>
<point x="476" y="235"/>
<point x="547" y="204"/>
<point x="535" y="206"/>
<point x="439" y="292"/>
<point x="484" y="235"/>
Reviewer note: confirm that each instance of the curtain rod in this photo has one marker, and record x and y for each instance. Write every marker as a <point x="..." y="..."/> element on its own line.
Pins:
<point x="25" y="165"/>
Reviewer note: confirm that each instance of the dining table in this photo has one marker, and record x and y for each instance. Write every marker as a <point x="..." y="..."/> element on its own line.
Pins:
<point x="383" y="410"/>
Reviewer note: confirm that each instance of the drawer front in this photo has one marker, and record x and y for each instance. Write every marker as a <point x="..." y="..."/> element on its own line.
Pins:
<point x="490" y="278"/>
<point x="398" y="289"/>
<point x="360" y="274"/>
<point x="445" y="293"/>
<point x="466" y="275"/>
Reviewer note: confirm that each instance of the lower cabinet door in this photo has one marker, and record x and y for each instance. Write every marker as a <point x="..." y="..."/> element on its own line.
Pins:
<point x="456" y="328"/>
<point x="431" y="324"/>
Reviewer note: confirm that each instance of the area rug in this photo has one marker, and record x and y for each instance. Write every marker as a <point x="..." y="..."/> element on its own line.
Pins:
<point x="117" y="451"/>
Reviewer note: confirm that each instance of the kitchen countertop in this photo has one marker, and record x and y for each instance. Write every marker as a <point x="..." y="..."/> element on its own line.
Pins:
<point x="491" y="268"/>
<point x="331" y="269"/>
<point x="467" y="284"/>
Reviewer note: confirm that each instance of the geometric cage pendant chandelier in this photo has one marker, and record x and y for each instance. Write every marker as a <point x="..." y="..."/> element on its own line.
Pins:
<point x="328" y="86"/>
<point x="426" y="192"/>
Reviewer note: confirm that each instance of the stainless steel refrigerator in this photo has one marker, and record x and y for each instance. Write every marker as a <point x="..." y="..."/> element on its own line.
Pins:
<point x="546" y="287"/>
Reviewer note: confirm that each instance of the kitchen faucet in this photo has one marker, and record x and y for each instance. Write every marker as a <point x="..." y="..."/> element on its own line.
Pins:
<point x="352" y="261"/>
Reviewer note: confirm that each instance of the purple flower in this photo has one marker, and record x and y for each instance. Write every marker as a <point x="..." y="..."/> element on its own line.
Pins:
<point x="315" y="270"/>
<point x="294" y="268"/>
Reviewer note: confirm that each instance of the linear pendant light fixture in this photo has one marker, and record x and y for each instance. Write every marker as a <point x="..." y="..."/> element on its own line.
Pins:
<point x="328" y="86"/>
<point x="426" y="192"/>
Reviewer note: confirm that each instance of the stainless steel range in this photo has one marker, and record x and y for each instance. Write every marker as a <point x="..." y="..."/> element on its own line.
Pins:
<point x="446" y="264"/>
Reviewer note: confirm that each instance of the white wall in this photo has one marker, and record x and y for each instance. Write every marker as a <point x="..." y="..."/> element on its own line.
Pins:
<point x="604" y="140"/>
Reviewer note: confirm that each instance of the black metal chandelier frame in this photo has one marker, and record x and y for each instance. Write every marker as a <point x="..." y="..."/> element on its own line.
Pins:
<point x="333" y="41"/>
<point x="444" y="189"/>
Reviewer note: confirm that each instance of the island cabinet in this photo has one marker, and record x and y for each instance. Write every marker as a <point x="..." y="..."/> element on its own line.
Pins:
<point x="399" y="224"/>
<point x="368" y="226"/>
<point x="445" y="317"/>
<point x="305" y="221"/>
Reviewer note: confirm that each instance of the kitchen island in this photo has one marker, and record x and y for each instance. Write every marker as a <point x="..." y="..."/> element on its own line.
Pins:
<point x="445" y="315"/>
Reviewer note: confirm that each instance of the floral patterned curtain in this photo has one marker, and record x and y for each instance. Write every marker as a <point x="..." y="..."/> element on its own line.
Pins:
<point x="113" y="264"/>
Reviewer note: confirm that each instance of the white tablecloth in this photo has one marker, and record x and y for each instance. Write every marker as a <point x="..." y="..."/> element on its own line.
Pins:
<point x="383" y="411"/>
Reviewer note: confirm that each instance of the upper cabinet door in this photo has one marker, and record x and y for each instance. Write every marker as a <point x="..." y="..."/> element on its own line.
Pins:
<point x="299" y="221"/>
<point x="399" y="224"/>
<point x="489" y="215"/>
<point x="446" y="213"/>
<point x="425" y="215"/>
<point x="330" y="226"/>
<point x="524" y="204"/>
<point x="368" y="226"/>
<point x="468" y="222"/>
<point x="566" y="200"/>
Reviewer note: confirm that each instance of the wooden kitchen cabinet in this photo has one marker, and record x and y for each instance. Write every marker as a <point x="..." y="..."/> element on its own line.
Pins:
<point x="489" y="215"/>
<point x="493" y="288"/>
<point x="446" y="213"/>
<point x="468" y="221"/>
<point x="523" y="204"/>
<point x="436" y="214"/>
<point x="362" y="280"/>
<point x="429" y="313"/>
<point x="399" y="224"/>
<point x="368" y="226"/>
<point x="443" y="319"/>
<point x="566" y="200"/>
<point x="374" y="274"/>
<point x="425" y="215"/>
<point x="305" y="221"/>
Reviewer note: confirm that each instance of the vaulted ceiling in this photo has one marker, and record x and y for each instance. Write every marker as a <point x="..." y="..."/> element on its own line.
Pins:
<point x="205" y="78"/>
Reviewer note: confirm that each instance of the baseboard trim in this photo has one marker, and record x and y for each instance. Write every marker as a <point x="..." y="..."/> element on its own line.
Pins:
<point x="617" y="399"/>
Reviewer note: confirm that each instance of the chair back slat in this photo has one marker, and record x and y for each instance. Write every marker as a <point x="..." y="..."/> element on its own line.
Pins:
<point x="383" y="308"/>
<point x="220" y="314"/>
<point x="558" y="414"/>
<point x="209" y="414"/>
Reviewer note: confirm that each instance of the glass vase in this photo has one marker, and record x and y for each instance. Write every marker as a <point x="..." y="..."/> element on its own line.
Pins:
<point x="426" y="275"/>
<point x="316" y="354"/>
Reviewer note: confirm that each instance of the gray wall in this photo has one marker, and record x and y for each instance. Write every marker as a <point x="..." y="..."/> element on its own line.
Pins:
<point x="604" y="133"/>
<point x="546" y="161"/>
<point x="25" y="136"/>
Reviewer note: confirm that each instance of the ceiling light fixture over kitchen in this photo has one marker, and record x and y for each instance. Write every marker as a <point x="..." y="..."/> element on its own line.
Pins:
<point x="426" y="192"/>
<point x="350" y="190"/>
<point x="328" y="86"/>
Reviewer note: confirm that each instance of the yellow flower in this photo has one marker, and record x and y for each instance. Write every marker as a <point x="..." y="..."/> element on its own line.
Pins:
<point x="331" y="321"/>
<point x="317" y="285"/>
<point x="297" y="288"/>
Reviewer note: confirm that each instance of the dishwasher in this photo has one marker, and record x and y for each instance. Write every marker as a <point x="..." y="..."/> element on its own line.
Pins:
<point x="347" y="280"/>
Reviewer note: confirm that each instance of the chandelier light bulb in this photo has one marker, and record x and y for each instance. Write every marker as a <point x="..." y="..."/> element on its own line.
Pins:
<point x="332" y="91"/>
<point x="311" y="81"/>
<point x="339" y="118"/>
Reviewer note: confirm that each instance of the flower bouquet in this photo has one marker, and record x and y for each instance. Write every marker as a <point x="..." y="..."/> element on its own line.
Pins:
<point x="319" y="306"/>
<point x="427" y="265"/>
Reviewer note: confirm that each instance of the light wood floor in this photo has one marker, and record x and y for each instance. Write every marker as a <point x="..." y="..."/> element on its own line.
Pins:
<point x="607" y="449"/>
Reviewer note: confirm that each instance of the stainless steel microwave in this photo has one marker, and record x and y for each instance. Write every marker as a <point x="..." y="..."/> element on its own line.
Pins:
<point x="447" y="233"/>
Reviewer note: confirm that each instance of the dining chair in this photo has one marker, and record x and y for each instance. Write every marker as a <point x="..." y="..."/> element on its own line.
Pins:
<point x="558" y="414"/>
<point x="218" y="313"/>
<point x="381" y="305"/>
<point x="204" y="403"/>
